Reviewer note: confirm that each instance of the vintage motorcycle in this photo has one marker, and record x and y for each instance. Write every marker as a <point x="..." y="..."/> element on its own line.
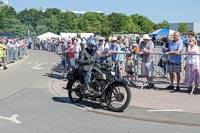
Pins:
<point x="114" y="92"/>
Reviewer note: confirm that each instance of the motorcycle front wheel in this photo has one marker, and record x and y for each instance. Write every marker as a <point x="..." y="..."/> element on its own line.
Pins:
<point x="118" y="97"/>
<point x="74" y="91"/>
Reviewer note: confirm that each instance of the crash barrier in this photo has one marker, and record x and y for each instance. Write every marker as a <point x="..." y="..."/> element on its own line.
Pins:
<point x="14" y="54"/>
<point x="57" y="48"/>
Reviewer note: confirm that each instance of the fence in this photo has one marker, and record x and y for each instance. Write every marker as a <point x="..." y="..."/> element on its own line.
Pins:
<point x="13" y="54"/>
<point x="189" y="71"/>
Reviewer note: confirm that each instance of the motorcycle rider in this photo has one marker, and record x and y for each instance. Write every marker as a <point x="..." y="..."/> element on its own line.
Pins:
<point x="87" y="57"/>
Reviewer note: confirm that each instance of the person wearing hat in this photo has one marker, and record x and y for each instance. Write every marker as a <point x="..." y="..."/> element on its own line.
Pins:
<point x="120" y="41"/>
<point x="102" y="49"/>
<point x="114" y="51"/>
<point x="147" y="66"/>
<point x="3" y="53"/>
<point x="70" y="54"/>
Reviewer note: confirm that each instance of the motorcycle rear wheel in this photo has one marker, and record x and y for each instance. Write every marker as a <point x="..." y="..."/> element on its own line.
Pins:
<point x="118" y="97"/>
<point x="74" y="91"/>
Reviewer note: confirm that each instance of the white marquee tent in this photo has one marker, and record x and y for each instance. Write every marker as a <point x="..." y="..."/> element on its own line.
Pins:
<point x="48" y="35"/>
<point x="71" y="35"/>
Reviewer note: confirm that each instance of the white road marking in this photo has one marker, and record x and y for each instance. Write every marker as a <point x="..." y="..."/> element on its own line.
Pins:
<point x="44" y="62"/>
<point x="164" y="110"/>
<point x="37" y="67"/>
<point x="13" y="118"/>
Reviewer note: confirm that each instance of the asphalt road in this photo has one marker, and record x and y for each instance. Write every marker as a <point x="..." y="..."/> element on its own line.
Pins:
<point x="28" y="105"/>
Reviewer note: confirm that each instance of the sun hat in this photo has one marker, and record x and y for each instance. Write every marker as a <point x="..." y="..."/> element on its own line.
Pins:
<point x="146" y="36"/>
<point x="114" y="39"/>
<point x="101" y="38"/>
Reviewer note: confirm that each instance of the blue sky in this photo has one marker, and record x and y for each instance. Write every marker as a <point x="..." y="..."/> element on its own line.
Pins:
<point x="174" y="11"/>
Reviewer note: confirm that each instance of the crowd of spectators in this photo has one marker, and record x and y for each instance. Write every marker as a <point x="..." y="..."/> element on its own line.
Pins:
<point x="126" y="51"/>
<point x="11" y="50"/>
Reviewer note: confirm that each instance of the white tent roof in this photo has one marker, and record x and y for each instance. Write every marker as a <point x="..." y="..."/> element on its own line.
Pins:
<point x="48" y="35"/>
<point x="67" y="35"/>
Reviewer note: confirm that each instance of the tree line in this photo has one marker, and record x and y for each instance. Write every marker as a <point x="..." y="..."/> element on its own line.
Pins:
<point x="56" y="21"/>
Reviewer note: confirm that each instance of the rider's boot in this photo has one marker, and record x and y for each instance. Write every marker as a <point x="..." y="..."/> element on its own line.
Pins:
<point x="86" y="91"/>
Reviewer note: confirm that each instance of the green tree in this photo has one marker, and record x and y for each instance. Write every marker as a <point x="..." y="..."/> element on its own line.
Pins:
<point x="91" y="22"/>
<point x="121" y="23"/>
<point x="145" y="25"/>
<point x="67" y="22"/>
<point x="51" y="11"/>
<point x="183" y="28"/>
<point x="13" y="25"/>
<point x="6" y="12"/>
<point x="40" y="29"/>
<point x="163" y="24"/>
<point x="38" y="22"/>
<point x="30" y="17"/>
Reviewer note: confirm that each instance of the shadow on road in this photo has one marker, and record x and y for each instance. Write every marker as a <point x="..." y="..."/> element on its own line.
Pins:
<point x="82" y="104"/>
<point x="57" y="72"/>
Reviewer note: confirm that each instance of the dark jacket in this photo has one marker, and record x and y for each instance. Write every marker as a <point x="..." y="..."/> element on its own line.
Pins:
<point x="87" y="59"/>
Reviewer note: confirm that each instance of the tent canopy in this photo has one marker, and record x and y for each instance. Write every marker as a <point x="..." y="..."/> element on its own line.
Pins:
<point x="71" y="35"/>
<point x="7" y="35"/>
<point x="48" y="35"/>
<point x="162" y="33"/>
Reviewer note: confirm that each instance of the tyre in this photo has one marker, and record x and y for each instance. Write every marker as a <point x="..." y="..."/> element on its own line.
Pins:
<point x="118" y="97"/>
<point x="74" y="91"/>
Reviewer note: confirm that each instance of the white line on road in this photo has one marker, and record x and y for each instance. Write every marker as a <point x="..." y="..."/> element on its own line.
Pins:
<point x="44" y="63"/>
<point x="37" y="67"/>
<point x="164" y="110"/>
<point x="13" y="118"/>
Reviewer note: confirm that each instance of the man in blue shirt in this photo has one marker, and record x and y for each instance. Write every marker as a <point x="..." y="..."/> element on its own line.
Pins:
<point x="174" y="58"/>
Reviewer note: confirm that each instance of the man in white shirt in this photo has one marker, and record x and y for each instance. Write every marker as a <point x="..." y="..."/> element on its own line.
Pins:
<point x="102" y="49"/>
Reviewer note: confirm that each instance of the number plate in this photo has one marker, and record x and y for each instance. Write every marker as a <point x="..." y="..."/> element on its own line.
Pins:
<point x="112" y="73"/>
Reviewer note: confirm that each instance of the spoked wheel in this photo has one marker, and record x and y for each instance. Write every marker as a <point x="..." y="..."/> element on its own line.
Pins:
<point x="74" y="91"/>
<point x="118" y="97"/>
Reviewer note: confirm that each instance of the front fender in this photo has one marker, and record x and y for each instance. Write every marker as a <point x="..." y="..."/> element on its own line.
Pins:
<point x="118" y="81"/>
